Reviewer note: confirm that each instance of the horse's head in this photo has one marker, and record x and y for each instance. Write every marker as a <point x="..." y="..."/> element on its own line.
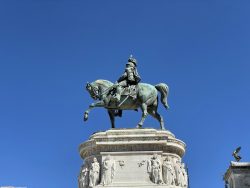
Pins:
<point x="97" y="88"/>
<point x="93" y="90"/>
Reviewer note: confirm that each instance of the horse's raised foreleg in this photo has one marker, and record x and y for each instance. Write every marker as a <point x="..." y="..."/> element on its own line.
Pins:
<point x="144" y="114"/>
<point x="93" y="105"/>
<point x="112" y="117"/>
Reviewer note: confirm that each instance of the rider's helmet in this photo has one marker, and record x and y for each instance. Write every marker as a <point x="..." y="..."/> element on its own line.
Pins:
<point x="130" y="64"/>
<point x="132" y="60"/>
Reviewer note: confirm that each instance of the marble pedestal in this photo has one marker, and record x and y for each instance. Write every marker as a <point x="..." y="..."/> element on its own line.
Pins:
<point x="133" y="158"/>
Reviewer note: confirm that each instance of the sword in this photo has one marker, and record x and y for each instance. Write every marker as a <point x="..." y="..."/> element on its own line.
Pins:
<point x="124" y="100"/>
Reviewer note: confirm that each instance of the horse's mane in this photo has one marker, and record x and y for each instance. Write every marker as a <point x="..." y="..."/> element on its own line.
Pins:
<point x="104" y="83"/>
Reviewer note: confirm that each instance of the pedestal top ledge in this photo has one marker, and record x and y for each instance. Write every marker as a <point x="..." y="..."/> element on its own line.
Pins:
<point x="124" y="140"/>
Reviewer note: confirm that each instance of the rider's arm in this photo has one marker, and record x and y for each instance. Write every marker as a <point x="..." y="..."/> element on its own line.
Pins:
<point x="124" y="75"/>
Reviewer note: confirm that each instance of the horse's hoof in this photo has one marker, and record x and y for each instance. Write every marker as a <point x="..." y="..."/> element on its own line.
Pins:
<point x="85" y="118"/>
<point x="139" y="126"/>
<point x="163" y="127"/>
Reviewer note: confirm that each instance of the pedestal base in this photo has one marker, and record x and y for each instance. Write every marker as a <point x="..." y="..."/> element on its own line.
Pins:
<point x="133" y="158"/>
<point x="238" y="175"/>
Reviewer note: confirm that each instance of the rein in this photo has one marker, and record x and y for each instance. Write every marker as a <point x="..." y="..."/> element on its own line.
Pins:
<point x="100" y="95"/>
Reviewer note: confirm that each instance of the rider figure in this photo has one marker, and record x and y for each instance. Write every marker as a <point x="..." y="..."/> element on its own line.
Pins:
<point x="128" y="78"/>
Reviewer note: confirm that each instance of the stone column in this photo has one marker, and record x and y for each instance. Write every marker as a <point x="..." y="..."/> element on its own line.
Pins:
<point x="136" y="158"/>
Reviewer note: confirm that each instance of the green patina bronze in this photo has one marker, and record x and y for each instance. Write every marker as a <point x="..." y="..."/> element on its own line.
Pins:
<point x="128" y="94"/>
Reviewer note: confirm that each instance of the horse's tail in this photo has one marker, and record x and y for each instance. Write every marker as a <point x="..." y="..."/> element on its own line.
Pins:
<point x="164" y="90"/>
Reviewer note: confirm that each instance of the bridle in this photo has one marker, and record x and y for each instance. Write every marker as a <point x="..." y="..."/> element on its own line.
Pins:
<point x="95" y="91"/>
<point x="92" y="90"/>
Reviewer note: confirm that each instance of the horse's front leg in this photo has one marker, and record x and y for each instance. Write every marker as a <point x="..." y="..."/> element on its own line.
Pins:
<point x="91" y="106"/>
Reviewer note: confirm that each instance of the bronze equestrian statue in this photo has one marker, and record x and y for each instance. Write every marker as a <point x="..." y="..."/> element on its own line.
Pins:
<point x="128" y="94"/>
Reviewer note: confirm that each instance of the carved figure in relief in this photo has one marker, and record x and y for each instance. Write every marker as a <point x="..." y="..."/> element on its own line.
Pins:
<point x="185" y="177"/>
<point x="154" y="169"/>
<point x="179" y="174"/>
<point x="108" y="170"/>
<point x="83" y="178"/>
<point x="94" y="171"/>
<point x="168" y="172"/>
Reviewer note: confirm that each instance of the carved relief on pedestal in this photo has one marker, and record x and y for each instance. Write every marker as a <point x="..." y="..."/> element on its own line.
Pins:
<point x="168" y="172"/>
<point x="154" y="169"/>
<point x="141" y="163"/>
<point x="94" y="173"/>
<point x="181" y="175"/>
<point x="83" y="178"/>
<point x="121" y="163"/>
<point x="184" y="172"/>
<point x="108" y="171"/>
<point x="149" y="160"/>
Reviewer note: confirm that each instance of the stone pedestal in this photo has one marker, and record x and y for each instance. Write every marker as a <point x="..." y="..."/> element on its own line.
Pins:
<point x="238" y="175"/>
<point x="133" y="158"/>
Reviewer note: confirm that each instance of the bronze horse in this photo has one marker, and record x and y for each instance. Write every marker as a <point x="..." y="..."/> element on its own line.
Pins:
<point x="146" y="99"/>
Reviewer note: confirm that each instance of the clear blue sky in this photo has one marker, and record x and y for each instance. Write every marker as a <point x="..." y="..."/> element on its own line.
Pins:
<point x="49" y="49"/>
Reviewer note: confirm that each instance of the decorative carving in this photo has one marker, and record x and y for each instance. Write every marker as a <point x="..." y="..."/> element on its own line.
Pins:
<point x="94" y="171"/>
<point x="185" y="177"/>
<point x="154" y="169"/>
<point x="121" y="163"/>
<point x="108" y="170"/>
<point x="83" y="178"/>
<point x="180" y="179"/>
<point x="133" y="159"/>
<point x="141" y="163"/>
<point x="168" y="172"/>
<point x="110" y="142"/>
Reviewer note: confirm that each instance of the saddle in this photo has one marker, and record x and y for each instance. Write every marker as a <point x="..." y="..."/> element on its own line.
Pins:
<point x="126" y="92"/>
<point x="130" y="91"/>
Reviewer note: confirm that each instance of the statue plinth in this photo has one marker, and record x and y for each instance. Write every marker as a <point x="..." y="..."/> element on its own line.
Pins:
<point x="134" y="158"/>
<point x="238" y="175"/>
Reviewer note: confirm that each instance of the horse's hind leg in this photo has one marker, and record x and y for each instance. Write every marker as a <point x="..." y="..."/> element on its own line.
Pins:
<point x="112" y="117"/>
<point x="156" y="115"/>
<point x="144" y="115"/>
